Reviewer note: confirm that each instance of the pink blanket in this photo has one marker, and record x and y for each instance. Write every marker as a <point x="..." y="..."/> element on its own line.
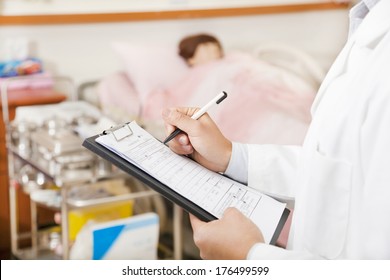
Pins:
<point x="265" y="104"/>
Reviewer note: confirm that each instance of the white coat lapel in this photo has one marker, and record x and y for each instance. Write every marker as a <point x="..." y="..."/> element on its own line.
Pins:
<point x="369" y="34"/>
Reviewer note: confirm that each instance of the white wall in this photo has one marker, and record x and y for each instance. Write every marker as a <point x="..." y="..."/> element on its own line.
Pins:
<point x="83" y="52"/>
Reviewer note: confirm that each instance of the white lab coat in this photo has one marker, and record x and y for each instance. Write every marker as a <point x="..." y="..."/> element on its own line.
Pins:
<point x="340" y="177"/>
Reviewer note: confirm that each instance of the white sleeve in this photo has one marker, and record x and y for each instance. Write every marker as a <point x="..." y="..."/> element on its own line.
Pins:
<point x="238" y="164"/>
<point x="273" y="169"/>
<point x="261" y="251"/>
<point x="269" y="168"/>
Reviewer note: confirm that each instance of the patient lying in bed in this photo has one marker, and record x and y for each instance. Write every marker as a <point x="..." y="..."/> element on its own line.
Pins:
<point x="265" y="104"/>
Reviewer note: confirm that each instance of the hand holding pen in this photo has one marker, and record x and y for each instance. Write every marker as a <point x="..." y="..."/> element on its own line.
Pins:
<point x="215" y="101"/>
<point x="202" y="139"/>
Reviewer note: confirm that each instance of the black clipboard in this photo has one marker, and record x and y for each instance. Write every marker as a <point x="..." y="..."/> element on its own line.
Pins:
<point x="161" y="188"/>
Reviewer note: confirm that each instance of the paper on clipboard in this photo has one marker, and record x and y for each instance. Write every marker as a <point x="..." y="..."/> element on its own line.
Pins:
<point x="211" y="191"/>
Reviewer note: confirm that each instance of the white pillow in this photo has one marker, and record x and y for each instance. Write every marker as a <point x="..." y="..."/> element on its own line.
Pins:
<point x="151" y="66"/>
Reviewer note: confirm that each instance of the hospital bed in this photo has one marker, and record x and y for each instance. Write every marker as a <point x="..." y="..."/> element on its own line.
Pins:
<point x="270" y="90"/>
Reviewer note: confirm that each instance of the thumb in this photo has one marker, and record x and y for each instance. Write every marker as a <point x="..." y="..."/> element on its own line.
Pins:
<point x="195" y="222"/>
<point x="180" y="117"/>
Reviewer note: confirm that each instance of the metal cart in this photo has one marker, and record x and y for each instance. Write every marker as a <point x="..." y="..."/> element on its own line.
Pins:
<point x="18" y="158"/>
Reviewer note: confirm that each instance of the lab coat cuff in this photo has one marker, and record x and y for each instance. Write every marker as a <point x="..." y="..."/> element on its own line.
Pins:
<point x="238" y="164"/>
<point x="262" y="251"/>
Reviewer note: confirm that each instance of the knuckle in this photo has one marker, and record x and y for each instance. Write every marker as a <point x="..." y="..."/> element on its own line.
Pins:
<point x="176" y="117"/>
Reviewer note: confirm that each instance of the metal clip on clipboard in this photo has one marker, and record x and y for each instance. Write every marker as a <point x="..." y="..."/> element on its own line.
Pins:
<point x="119" y="132"/>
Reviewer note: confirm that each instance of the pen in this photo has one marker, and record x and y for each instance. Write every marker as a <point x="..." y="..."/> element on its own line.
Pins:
<point x="216" y="100"/>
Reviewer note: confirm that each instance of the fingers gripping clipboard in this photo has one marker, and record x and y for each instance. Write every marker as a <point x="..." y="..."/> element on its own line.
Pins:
<point x="199" y="191"/>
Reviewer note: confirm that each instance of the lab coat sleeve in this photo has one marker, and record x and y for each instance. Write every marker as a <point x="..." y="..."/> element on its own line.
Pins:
<point x="272" y="169"/>
<point x="238" y="165"/>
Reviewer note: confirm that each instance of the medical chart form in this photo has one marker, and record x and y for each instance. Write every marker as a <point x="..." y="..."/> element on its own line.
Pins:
<point x="210" y="190"/>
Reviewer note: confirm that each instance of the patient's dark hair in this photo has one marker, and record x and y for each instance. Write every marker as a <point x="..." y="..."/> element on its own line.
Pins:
<point x="188" y="45"/>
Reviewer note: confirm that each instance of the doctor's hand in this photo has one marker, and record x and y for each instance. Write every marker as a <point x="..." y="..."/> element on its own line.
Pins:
<point x="230" y="237"/>
<point x="202" y="138"/>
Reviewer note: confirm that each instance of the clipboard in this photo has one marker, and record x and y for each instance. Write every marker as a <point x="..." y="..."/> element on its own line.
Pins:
<point x="120" y="133"/>
<point x="147" y="179"/>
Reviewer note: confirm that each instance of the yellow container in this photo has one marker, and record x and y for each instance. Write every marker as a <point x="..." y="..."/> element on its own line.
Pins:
<point x="102" y="213"/>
